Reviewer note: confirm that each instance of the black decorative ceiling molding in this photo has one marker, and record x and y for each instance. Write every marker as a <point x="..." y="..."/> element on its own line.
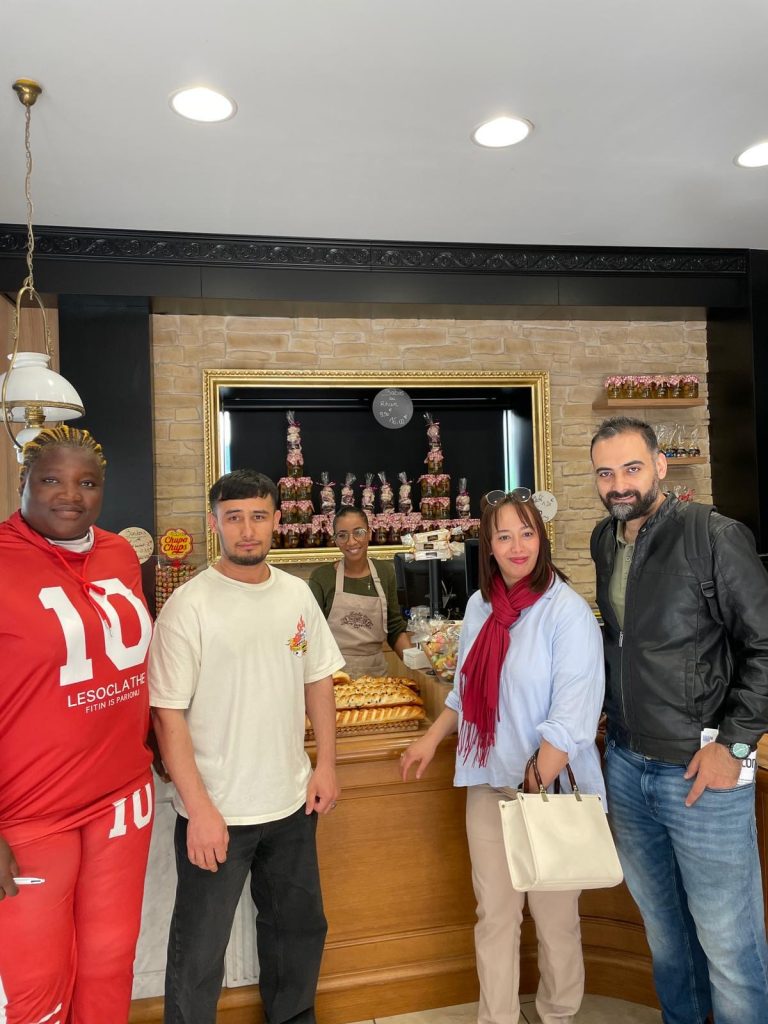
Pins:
<point x="145" y="247"/>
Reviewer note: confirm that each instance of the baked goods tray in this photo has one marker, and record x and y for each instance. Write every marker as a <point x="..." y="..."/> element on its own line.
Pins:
<point x="410" y="725"/>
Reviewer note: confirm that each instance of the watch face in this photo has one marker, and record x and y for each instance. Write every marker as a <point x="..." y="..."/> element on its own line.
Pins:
<point x="546" y="503"/>
<point x="393" y="408"/>
<point x="739" y="750"/>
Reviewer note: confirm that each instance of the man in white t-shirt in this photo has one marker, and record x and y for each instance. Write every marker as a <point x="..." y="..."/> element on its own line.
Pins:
<point x="239" y="654"/>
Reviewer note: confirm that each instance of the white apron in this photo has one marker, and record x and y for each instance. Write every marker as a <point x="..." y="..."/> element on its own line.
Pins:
<point x="359" y="626"/>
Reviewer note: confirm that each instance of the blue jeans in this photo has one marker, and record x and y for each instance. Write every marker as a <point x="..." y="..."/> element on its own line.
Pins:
<point x="694" y="872"/>
<point x="290" y="924"/>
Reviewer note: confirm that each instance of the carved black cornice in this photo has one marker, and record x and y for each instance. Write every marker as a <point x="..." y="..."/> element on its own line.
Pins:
<point x="555" y="260"/>
<point x="173" y="249"/>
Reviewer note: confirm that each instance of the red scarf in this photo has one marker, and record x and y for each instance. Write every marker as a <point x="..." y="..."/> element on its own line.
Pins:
<point x="481" y="671"/>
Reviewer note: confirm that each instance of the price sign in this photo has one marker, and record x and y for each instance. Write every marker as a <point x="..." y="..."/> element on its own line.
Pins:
<point x="392" y="408"/>
<point x="140" y="541"/>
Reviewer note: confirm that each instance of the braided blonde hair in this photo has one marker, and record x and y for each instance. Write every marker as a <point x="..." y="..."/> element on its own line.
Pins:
<point x="61" y="436"/>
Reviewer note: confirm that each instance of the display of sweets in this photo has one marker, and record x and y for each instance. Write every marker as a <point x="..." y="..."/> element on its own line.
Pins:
<point x="286" y="488"/>
<point x="316" y="537"/>
<point x="386" y="494"/>
<point x="442" y="649"/>
<point x="327" y="493"/>
<point x="293" y="535"/>
<point x="168" y="578"/>
<point x="304" y="511"/>
<point x="295" y="488"/>
<point x="288" y="512"/>
<point x="435" y="508"/>
<point x="294" y="459"/>
<point x="347" y="491"/>
<point x="380" y="528"/>
<point x="404" y="500"/>
<point x="396" y="520"/>
<point x="434" y="459"/>
<point x="368" y="494"/>
<point x="462" y="499"/>
<point x="435" y="485"/>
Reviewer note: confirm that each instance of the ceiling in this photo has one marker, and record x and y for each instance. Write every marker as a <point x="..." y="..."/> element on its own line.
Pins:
<point x="355" y="116"/>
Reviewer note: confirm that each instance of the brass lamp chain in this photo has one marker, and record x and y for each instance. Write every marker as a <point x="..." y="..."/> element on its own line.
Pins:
<point x="27" y="92"/>
<point x="30" y="281"/>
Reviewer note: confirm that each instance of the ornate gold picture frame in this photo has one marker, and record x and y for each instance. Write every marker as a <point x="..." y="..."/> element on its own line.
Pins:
<point x="286" y="387"/>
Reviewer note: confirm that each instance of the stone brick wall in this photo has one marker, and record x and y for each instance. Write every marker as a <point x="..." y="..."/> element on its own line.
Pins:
<point x="577" y="354"/>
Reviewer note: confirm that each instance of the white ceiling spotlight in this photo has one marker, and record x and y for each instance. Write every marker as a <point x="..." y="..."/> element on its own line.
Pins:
<point x="755" y="156"/>
<point x="203" y="104"/>
<point x="502" y="131"/>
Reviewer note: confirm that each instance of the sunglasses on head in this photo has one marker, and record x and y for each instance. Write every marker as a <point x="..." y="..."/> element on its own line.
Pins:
<point x="519" y="493"/>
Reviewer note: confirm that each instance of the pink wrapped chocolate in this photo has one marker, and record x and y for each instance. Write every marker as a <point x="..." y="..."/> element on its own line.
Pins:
<point x="327" y="493"/>
<point x="347" y="491"/>
<point x="404" y="500"/>
<point x="294" y="459"/>
<point x="386" y="494"/>
<point x="367" y="497"/>
<point x="462" y="499"/>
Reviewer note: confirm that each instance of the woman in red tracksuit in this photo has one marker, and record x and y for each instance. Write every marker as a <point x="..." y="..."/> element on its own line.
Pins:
<point x="76" y="798"/>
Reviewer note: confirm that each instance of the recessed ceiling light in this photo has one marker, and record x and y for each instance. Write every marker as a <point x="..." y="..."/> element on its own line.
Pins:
<point x="502" y="131"/>
<point x="201" y="104"/>
<point x="755" y="156"/>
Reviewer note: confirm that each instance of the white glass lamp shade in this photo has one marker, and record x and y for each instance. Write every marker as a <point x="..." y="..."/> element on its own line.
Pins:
<point x="33" y="383"/>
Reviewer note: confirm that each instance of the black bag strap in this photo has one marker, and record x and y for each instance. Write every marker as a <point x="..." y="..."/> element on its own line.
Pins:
<point x="698" y="552"/>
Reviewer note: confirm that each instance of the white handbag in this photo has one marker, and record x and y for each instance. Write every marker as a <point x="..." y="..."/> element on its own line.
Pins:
<point x="559" y="841"/>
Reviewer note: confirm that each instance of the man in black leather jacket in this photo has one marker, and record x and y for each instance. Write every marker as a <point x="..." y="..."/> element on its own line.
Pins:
<point x="680" y="670"/>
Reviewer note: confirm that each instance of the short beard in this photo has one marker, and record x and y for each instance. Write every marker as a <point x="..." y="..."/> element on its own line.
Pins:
<point x="243" y="559"/>
<point x="642" y="506"/>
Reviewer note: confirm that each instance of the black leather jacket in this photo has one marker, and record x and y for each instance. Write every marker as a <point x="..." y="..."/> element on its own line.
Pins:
<point x="674" y="670"/>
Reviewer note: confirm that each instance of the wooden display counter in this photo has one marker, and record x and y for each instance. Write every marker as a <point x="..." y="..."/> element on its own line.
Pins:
<point x="398" y="897"/>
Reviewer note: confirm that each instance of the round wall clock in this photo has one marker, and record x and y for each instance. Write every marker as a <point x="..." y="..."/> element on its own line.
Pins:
<point x="392" y="408"/>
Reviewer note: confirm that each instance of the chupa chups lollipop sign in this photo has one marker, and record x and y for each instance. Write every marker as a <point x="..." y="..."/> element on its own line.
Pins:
<point x="176" y="545"/>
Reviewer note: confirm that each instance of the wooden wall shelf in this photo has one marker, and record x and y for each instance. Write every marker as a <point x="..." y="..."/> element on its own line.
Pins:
<point x="648" y="403"/>
<point x="686" y="460"/>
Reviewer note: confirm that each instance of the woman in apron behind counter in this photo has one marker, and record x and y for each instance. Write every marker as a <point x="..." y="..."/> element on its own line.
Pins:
<point x="359" y="598"/>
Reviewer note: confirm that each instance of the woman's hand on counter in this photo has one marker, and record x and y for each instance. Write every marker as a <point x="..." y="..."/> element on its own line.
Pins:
<point x="422" y="750"/>
<point x="420" y="753"/>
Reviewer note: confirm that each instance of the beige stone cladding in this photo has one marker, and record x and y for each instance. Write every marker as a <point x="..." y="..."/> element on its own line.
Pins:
<point x="578" y="354"/>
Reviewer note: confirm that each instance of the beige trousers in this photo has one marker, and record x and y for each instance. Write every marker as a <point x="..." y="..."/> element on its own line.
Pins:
<point x="497" y="932"/>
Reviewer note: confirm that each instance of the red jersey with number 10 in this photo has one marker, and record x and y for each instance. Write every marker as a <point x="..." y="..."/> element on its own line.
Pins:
<point x="74" y="707"/>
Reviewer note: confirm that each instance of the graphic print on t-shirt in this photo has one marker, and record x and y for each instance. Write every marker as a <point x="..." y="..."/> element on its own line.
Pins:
<point x="298" y="642"/>
<point x="125" y="635"/>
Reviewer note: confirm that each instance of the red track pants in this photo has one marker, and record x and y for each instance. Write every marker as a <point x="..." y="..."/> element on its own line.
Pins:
<point x="67" y="945"/>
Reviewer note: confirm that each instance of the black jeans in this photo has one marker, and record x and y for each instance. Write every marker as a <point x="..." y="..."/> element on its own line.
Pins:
<point x="290" y="924"/>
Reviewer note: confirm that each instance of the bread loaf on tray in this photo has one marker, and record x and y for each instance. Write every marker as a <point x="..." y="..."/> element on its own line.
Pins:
<point x="373" y="700"/>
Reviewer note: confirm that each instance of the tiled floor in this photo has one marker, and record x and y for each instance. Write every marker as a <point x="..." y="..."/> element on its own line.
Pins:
<point x="594" y="1010"/>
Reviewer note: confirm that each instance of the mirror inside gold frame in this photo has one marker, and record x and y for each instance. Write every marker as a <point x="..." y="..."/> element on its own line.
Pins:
<point x="494" y="432"/>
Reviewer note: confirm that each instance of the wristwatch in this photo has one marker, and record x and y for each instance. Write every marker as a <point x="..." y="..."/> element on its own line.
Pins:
<point x="739" y="750"/>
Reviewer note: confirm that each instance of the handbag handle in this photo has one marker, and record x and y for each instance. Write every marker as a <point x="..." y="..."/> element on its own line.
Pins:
<point x="533" y="763"/>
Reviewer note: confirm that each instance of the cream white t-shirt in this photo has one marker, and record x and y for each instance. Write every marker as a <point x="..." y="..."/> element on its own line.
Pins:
<point x="237" y="657"/>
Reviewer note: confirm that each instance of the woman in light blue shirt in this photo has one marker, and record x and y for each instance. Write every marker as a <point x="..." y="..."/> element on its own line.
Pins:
<point x="530" y="677"/>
